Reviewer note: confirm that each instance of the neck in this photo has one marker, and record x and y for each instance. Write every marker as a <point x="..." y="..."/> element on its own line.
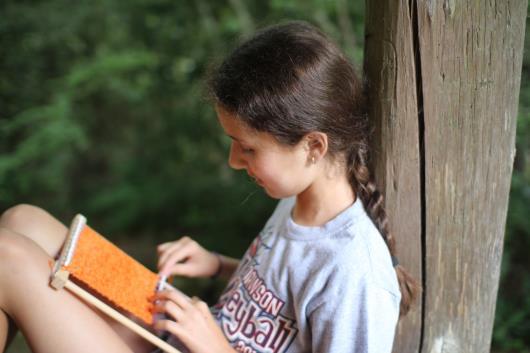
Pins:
<point x="323" y="200"/>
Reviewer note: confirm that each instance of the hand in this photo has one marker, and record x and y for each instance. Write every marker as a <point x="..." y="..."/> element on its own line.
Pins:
<point x="185" y="257"/>
<point x="191" y="322"/>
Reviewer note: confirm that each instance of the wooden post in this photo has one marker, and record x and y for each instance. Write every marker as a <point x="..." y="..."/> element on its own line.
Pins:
<point x="444" y="85"/>
<point x="391" y="71"/>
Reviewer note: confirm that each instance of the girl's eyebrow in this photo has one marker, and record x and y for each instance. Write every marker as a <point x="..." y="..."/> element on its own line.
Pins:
<point x="240" y="140"/>
<point x="233" y="138"/>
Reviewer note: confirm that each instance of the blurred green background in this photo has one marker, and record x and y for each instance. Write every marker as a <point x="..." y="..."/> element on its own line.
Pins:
<point x="103" y="112"/>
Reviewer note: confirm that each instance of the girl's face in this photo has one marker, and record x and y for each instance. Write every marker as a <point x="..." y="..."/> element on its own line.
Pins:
<point x="280" y="169"/>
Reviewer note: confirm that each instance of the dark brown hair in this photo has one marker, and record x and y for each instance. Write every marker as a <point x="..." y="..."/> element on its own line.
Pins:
<point x="289" y="80"/>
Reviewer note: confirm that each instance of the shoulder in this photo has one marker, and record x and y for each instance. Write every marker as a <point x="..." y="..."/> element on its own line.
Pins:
<point x="351" y="251"/>
<point x="357" y="256"/>
<point x="372" y="254"/>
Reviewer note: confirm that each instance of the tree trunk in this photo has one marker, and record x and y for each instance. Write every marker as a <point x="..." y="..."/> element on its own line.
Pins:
<point x="444" y="84"/>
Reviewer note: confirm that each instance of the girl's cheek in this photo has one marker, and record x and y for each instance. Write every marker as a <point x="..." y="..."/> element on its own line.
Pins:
<point x="262" y="172"/>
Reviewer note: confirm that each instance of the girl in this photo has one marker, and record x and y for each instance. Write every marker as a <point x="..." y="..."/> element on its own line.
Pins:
<point x="320" y="277"/>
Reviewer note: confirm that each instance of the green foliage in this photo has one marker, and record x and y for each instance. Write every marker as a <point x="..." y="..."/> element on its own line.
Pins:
<point x="103" y="112"/>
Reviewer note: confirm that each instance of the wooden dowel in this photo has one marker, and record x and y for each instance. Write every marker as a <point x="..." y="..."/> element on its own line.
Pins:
<point x="149" y="336"/>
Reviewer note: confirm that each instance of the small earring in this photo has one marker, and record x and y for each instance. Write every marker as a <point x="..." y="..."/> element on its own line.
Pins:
<point x="313" y="160"/>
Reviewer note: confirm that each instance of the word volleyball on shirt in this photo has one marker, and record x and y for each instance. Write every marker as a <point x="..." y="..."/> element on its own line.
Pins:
<point x="249" y="312"/>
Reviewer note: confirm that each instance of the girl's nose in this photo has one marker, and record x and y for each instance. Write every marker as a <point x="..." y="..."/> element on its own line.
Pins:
<point x="235" y="159"/>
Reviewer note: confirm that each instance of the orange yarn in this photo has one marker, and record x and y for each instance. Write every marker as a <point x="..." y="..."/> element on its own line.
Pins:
<point x="118" y="278"/>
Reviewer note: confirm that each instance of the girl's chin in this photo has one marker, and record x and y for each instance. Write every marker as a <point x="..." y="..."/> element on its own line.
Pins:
<point x="275" y="194"/>
<point x="270" y="193"/>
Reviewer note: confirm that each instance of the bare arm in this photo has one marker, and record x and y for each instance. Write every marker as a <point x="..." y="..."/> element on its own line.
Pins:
<point x="228" y="265"/>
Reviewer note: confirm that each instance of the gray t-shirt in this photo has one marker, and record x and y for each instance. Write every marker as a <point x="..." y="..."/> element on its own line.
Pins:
<point x="312" y="289"/>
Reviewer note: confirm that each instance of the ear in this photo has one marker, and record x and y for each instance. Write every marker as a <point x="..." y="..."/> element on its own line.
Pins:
<point x="316" y="145"/>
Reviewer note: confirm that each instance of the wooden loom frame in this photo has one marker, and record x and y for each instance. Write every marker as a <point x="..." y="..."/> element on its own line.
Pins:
<point x="60" y="279"/>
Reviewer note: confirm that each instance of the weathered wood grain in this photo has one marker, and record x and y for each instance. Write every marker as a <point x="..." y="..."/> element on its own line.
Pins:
<point x="471" y="57"/>
<point x="444" y="84"/>
<point x="390" y="69"/>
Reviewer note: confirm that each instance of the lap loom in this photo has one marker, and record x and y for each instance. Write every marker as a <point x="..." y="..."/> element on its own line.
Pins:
<point x="107" y="278"/>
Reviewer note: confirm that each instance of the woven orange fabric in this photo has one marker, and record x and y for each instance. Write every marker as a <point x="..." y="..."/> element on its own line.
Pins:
<point x="118" y="278"/>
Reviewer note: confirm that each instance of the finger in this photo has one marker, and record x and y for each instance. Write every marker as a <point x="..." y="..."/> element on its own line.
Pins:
<point x="176" y="329"/>
<point x="162" y="256"/>
<point x="175" y="264"/>
<point x="202" y="307"/>
<point x="185" y="269"/>
<point x="161" y="247"/>
<point x="176" y="297"/>
<point x="168" y="247"/>
<point x="172" y="255"/>
<point x="181" y="269"/>
<point x="173" y="246"/>
<point x="169" y="308"/>
<point x="169" y="326"/>
<point x="177" y="256"/>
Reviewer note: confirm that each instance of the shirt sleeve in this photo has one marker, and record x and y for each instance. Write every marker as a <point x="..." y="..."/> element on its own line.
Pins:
<point x="359" y="317"/>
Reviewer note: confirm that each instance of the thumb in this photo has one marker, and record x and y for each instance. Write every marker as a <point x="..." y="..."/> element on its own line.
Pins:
<point x="179" y="269"/>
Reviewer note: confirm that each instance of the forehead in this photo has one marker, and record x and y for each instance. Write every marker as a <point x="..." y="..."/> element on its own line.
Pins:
<point x="233" y="126"/>
<point x="240" y="131"/>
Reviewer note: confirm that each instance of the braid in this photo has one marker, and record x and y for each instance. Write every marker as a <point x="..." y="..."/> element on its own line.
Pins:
<point x="315" y="89"/>
<point x="373" y="201"/>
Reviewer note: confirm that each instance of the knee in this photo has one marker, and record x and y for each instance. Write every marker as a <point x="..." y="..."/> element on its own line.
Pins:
<point x="21" y="262"/>
<point x="35" y="224"/>
<point x="19" y="217"/>
<point x="13" y="249"/>
<point x="18" y="254"/>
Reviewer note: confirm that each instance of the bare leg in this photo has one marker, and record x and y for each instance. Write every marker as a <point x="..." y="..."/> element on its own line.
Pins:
<point x="41" y="227"/>
<point x="36" y="224"/>
<point x="46" y="231"/>
<point x="7" y="330"/>
<point x="51" y="321"/>
<point x="4" y="329"/>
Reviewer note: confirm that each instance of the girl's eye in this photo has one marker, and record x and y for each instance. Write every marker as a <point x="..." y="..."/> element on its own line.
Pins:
<point x="243" y="149"/>
<point x="246" y="150"/>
